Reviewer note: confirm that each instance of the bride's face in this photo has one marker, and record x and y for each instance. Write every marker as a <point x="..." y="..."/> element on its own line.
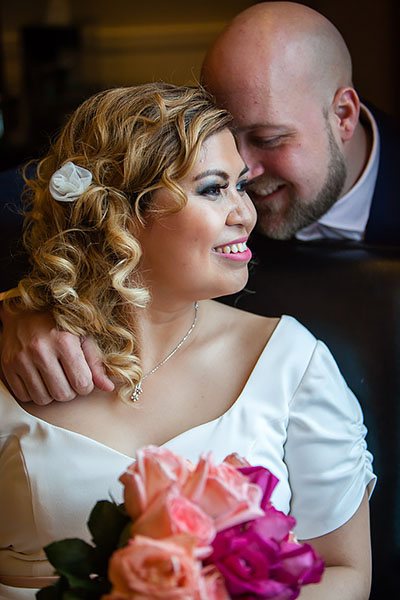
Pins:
<point x="200" y="252"/>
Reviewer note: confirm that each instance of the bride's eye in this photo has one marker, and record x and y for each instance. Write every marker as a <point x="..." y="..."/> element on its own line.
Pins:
<point x="241" y="186"/>
<point x="213" y="190"/>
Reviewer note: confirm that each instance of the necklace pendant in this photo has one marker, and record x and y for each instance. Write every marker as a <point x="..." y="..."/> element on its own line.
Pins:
<point x="138" y="387"/>
<point x="136" y="392"/>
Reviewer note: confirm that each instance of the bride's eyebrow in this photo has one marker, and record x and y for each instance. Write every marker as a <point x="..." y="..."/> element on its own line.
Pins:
<point x="209" y="172"/>
<point x="218" y="173"/>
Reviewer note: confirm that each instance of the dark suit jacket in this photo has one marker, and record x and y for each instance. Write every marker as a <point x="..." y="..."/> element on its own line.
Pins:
<point x="383" y="225"/>
<point x="13" y="259"/>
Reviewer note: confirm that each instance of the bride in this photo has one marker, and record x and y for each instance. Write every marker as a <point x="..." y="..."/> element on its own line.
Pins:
<point x="139" y="219"/>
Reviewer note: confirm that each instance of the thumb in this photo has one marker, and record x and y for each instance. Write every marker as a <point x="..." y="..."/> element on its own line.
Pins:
<point x="93" y="359"/>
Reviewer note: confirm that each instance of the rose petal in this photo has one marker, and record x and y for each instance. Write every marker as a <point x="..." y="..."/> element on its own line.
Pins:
<point x="223" y="493"/>
<point x="153" y="472"/>
<point x="300" y="564"/>
<point x="263" y="478"/>
<point x="274" y="524"/>
<point x="156" y="569"/>
<point x="170" y="514"/>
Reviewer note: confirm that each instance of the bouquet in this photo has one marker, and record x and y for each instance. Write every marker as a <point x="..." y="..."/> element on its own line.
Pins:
<point x="186" y="532"/>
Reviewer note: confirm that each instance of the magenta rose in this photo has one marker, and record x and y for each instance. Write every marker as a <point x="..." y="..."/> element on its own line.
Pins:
<point x="300" y="564"/>
<point x="257" y="559"/>
<point x="264" y="479"/>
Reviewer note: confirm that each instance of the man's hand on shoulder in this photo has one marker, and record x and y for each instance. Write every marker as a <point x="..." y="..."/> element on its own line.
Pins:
<point x="42" y="363"/>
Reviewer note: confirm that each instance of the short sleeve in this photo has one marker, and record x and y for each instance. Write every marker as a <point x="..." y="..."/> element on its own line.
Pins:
<point x="325" y="451"/>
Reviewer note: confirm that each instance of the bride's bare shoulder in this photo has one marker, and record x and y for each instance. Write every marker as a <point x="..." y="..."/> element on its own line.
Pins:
<point x="240" y="322"/>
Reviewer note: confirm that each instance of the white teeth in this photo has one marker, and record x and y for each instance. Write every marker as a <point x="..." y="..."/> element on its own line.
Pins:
<point x="233" y="248"/>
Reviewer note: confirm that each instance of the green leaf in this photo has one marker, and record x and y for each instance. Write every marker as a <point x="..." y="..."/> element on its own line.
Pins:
<point x="65" y="589"/>
<point x="55" y="591"/>
<point x="83" y="583"/>
<point x="106" y="523"/>
<point x="83" y="568"/>
<point x="125" y="535"/>
<point x="72" y="557"/>
<point x="49" y="593"/>
<point x="78" y="595"/>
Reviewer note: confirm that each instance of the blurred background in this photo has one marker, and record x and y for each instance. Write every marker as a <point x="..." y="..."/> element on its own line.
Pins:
<point x="55" y="53"/>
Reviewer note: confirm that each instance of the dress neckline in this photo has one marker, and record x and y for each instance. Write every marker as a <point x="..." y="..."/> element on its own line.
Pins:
<point x="264" y="353"/>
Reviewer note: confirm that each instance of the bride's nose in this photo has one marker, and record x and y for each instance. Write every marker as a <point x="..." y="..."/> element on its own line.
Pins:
<point x="242" y="211"/>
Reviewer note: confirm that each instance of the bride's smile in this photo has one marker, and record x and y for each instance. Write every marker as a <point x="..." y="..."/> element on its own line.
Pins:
<point x="236" y="250"/>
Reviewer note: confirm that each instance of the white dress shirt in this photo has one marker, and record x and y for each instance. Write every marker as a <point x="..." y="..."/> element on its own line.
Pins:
<point x="347" y="218"/>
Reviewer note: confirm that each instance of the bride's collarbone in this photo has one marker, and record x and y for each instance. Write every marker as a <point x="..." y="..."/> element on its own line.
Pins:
<point x="166" y="408"/>
<point x="195" y="387"/>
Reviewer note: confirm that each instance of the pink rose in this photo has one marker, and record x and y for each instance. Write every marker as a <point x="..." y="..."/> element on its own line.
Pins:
<point x="257" y="559"/>
<point x="148" y="569"/>
<point x="223" y="493"/>
<point x="154" y="470"/>
<point x="170" y="514"/>
<point x="214" y="584"/>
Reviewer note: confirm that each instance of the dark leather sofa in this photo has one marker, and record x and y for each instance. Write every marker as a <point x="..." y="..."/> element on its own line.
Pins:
<point x="348" y="295"/>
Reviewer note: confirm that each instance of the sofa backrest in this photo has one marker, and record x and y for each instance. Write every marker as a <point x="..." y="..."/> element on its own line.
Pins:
<point x="348" y="295"/>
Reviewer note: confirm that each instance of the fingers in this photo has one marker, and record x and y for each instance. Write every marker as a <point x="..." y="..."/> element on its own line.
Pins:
<point x="42" y="363"/>
<point x="95" y="364"/>
<point x="73" y="368"/>
<point x="36" y="373"/>
<point x="24" y="380"/>
<point x="18" y="388"/>
<point x="60" y="364"/>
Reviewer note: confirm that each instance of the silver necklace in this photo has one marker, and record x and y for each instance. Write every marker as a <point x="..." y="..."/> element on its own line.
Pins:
<point x="138" y="387"/>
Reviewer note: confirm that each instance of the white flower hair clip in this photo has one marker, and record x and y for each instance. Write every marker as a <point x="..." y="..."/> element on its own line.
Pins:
<point x="69" y="182"/>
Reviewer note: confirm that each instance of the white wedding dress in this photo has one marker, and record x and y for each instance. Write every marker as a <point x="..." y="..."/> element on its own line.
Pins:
<point x="295" y="416"/>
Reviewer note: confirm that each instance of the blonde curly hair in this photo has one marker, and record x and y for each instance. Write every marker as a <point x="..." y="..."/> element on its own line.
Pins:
<point x="84" y="254"/>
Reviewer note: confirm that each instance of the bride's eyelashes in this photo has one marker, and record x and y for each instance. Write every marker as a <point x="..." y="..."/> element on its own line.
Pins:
<point x="214" y="190"/>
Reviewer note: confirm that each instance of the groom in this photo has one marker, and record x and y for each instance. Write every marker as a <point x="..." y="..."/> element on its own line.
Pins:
<point x="323" y="165"/>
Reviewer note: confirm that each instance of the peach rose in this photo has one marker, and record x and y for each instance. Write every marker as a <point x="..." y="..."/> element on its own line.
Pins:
<point x="154" y="470"/>
<point x="214" y="584"/>
<point x="148" y="569"/>
<point x="171" y="514"/>
<point x="223" y="493"/>
<point x="237" y="461"/>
